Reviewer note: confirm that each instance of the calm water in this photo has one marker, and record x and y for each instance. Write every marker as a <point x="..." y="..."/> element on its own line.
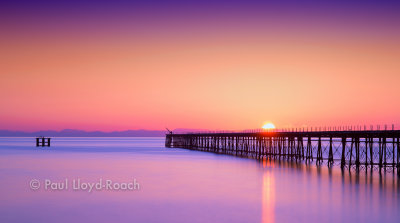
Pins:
<point x="177" y="185"/>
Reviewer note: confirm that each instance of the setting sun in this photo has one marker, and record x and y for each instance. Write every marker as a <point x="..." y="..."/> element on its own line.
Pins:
<point x="269" y="125"/>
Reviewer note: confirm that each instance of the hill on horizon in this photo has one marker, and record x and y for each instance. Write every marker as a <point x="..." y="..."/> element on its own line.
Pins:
<point x="82" y="133"/>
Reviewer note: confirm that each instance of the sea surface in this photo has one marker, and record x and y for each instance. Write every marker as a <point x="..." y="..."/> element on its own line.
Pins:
<point x="150" y="183"/>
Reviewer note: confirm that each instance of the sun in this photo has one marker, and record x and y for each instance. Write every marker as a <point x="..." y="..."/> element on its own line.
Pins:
<point x="268" y="125"/>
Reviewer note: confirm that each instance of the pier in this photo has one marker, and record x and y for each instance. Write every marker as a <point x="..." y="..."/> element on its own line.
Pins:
<point x="42" y="141"/>
<point x="359" y="149"/>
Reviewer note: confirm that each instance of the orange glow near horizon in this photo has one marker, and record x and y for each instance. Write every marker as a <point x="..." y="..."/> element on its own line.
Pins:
<point x="197" y="85"/>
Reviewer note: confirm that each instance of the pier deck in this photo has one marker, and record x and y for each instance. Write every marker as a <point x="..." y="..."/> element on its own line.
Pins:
<point x="380" y="148"/>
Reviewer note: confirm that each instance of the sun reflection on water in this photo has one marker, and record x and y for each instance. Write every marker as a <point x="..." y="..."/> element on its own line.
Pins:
<point x="268" y="195"/>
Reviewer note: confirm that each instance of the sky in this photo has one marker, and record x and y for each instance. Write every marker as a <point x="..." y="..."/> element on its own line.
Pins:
<point x="117" y="65"/>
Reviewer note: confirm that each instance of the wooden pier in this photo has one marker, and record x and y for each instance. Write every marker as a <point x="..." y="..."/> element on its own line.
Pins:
<point x="42" y="141"/>
<point x="368" y="148"/>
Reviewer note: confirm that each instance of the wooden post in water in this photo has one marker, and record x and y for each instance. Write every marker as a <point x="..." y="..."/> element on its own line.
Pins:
<point x="343" y="160"/>
<point x="398" y="156"/>
<point x="42" y="141"/>
<point x="371" y="149"/>
<point x="366" y="153"/>
<point x="330" y="158"/>
<point x="319" y="153"/>
<point x="357" y="147"/>
<point x="380" y="153"/>
<point x="351" y="151"/>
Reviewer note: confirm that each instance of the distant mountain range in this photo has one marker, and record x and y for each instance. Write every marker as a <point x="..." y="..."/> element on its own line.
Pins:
<point x="81" y="133"/>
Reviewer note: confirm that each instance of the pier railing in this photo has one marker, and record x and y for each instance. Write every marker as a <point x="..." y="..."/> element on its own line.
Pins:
<point x="365" y="148"/>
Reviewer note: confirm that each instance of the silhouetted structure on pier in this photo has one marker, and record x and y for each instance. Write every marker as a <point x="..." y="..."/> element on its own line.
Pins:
<point x="42" y="141"/>
<point x="350" y="148"/>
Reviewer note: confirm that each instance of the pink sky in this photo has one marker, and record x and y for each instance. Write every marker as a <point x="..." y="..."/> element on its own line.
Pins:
<point x="224" y="71"/>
